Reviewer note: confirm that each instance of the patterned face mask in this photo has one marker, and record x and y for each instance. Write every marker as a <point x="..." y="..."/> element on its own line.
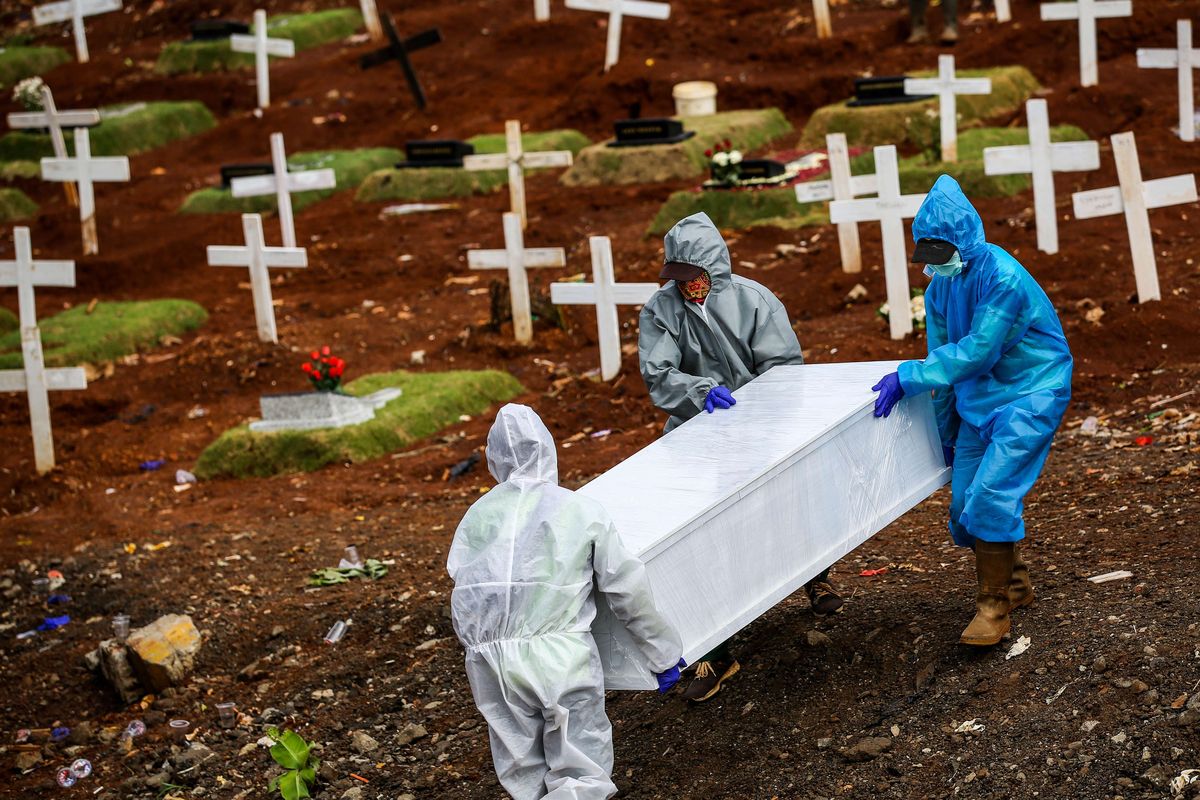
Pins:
<point x="695" y="290"/>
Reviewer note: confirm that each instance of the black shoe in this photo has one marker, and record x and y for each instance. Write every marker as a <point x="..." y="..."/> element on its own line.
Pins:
<point x="824" y="599"/>
<point x="709" y="677"/>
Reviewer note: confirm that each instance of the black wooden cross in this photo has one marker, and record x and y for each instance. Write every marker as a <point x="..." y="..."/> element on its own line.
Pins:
<point x="398" y="50"/>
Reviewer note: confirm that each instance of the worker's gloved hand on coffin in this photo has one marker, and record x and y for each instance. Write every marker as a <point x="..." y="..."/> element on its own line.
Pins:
<point x="718" y="397"/>
<point x="948" y="452"/>
<point x="668" y="679"/>
<point x="890" y="393"/>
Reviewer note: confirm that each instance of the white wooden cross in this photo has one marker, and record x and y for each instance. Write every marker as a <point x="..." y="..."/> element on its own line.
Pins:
<point x="1003" y="11"/>
<point x="541" y="10"/>
<point x="258" y="257"/>
<point x="370" y="13"/>
<point x="85" y="170"/>
<point x="616" y="9"/>
<point x="947" y="88"/>
<point x="34" y="379"/>
<point x="840" y="186"/>
<point x="282" y="184"/>
<point x="1135" y="198"/>
<point x="1183" y="58"/>
<point x="76" y="11"/>
<point x="605" y="294"/>
<point x="1042" y="159"/>
<point x="821" y="18"/>
<point x="1087" y="12"/>
<point x="258" y="44"/>
<point x="516" y="259"/>
<point x="54" y="120"/>
<point x="889" y="209"/>
<point x="515" y="160"/>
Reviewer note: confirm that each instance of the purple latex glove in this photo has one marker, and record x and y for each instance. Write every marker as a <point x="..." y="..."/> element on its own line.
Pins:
<point x="670" y="677"/>
<point x="890" y="393"/>
<point x="718" y="397"/>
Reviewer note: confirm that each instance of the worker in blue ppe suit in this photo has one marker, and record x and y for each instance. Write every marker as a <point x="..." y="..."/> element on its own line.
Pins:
<point x="1000" y="371"/>
<point x="525" y="560"/>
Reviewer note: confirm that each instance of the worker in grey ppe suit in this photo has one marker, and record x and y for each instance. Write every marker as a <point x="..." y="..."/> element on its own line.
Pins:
<point x="523" y="561"/>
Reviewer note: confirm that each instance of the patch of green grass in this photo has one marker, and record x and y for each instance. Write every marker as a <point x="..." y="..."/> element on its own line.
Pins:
<point x="119" y="133"/>
<point x="8" y="321"/>
<point x="18" y="63"/>
<point x="306" y="30"/>
<point x="431" y="402"/>
<point x="12" y="170"/>
<point x="738" y="209"/>
<point x="350" y="166"/>
<point x="15" y="204"/>
<point x="112" y="330"/>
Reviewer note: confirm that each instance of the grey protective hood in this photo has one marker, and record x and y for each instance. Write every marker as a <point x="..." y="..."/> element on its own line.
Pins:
<point x="695" y="240"/>
<point x="520" y="448"/>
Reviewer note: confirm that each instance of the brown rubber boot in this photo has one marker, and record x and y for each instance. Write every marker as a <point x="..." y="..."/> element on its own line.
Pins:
<point x="1020" y="589"/>
<point x="994" y="569"/>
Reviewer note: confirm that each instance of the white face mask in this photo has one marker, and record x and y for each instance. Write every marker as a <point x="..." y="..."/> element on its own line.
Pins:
<point x="948" y="270"/>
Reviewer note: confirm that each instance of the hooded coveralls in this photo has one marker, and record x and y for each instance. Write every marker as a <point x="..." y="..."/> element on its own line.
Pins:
<point x="523" y="561"/>
<point x="738" y="333"/>
<point x="999" y="366"/>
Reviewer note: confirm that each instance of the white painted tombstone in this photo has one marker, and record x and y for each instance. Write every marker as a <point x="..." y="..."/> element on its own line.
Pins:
<point x="85" y="171"/>
<point x="947" y="87"/>
<point x="1003" y="11"/>
<point x="1135" y="198"/>
<point x="516" y="160"/>
<point x="261" y="46"/>
<point x="34" y="379"/>
<point x="283" y="184"/>
<point x="259" y="258"/>
<point x="840" y="186"/>
<point x="370" y="13"/>
<point x="1087" y="12"/>
<point x="53" y="120"/>
<point x="605" y="294"/>
<point x="616" y="10"/>
<point x="821" y="19"/>
<point x="1042" y="159"/>
<point x="1184" y="58"/>
<point x="890" y="209"/>
<point x="76" y="11"/>
<point x="516" y="258"/>
<point x="541" y="10"/>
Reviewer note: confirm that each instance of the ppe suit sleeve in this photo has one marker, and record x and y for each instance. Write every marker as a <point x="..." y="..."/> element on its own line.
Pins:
<point x="775" y="342"/>
<point x="944" y="399"/>
<point x="671" y="390"/>
<point x="622" y="579"/>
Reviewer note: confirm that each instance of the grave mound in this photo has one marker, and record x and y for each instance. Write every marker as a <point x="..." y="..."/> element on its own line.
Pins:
<point x="8" y="321"/>
<point x="18" y="63"/>
<point x="306" y="30"/>
<point x="15" y="205"/>
<point x="430" y="402"/>
<point x="747" y="130"/>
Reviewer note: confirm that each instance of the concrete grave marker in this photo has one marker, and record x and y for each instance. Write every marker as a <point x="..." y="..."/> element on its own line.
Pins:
<point x="1041" y="159"/>
<point x="1184" y="58"/>
<point x="84" y="171"/>
<point x="54" y="120"/>
<point x="515" y="160"/>
<point x="75" y="11"/>
<point x="821" y="19"/>
<point x="34" y="379"/>
<point x="516" y="259"/>
<point x="283" y="184"/>
<point x="398" y="50"/>
<point x="1135" y="198"/>
<point x="947" y="88"/>
<point x="605" y="294"/>
<point x="841" y="186"/>
<point x="890" y="209"/>
<point x="617" y="10"/>
<point x="1087" y="12"/>
<point x="259" y="258"/>
<point x="261" y="46"/>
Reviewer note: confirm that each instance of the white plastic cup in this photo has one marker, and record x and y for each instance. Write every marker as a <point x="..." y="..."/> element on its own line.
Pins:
<point x="179" y="728"/>
<point x="120" y="625"/>
<point x="227" y="714"/>
<point x="695" y="99"/>
<point x="352" y="555"/>
<point x="336" y="632"/>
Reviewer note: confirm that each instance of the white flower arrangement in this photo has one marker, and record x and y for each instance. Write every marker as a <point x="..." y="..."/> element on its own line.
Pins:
<point x="735" y="157"/>
<point x="29" y="93"/>
<point x="721" y="159"/>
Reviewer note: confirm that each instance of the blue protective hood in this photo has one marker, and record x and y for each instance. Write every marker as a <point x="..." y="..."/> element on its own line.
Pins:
<point x="948" y="215"/>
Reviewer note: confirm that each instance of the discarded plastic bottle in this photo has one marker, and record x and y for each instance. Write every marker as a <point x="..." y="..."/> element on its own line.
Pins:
<point x="66" y="778"/>
<point x="228" y="714"/>
<point x="120" y="626"/>
<point x="81" y="768"/>
<point x="336" y="632"/>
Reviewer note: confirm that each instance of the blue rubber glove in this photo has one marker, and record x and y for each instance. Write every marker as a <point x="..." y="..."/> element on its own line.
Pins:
<point x="890" y="393"/>
<point x="948" y="452"/>
<point x="718" y="397"/>
<point x="669" y="678"/>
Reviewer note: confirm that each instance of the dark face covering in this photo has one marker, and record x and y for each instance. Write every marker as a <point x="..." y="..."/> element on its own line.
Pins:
<point x="696" y="290"/>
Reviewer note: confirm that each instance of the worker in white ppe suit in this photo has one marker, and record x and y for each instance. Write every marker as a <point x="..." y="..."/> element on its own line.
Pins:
<point x="523" y="561"/>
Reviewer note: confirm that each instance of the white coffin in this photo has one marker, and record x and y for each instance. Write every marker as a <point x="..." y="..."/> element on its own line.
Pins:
<point x="734" y="511"/>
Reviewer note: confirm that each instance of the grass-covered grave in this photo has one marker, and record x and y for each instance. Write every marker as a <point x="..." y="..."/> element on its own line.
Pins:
<point x="15" y="205"/>
<point x="18" y="63"/>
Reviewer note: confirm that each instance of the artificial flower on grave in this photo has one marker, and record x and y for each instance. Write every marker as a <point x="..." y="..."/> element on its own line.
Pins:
<point x="29" y="93"/>
<point x="916" y="307"/>
<point x="725" y="162"/>
<point x="324" y="370"/>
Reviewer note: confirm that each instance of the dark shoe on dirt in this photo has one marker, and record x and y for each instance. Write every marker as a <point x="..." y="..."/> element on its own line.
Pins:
<point x="919" y="35"/>
<point x="824" y="599"/>
<point x="709" y="677"/>
<point x="949" y="35"/>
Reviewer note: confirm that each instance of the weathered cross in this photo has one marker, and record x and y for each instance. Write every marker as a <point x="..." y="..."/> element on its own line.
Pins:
<point x="1183" y="58"/>
<point x="1087" y="12"/>
<point x="516" y="259"/>
<point x="54" y="120"/>
<point x="890" y="209"/>
<point x="605" y="294"/>
<point x="515" y="160"/>
<point x="541" y="10"/>
<point x="282" y="184"/>
<point x="370" y="13"/>
<point x="1042" y="159"/>
<point x="947" y="88"/>
<point x="262" y="47"/>
<point x="398" y="50"/>
<point x="34" y="379"/>
<point x="1135" y="198"/>
<point x="85" y="170"/>
<point x="616" y="10"/>
<point x="258" y="257"/>
<point x="821" y="18"/>
<point x="1003" y="11"/>
<point x="76" y="11"/>
<point x="840" y="186"/>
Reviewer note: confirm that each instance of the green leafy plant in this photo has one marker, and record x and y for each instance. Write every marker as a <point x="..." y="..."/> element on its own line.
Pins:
<point x="328" y="576"/>
<point x="291" y="752"/>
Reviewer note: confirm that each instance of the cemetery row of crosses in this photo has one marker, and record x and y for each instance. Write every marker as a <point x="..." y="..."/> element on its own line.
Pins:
<point x="558" y="234"/>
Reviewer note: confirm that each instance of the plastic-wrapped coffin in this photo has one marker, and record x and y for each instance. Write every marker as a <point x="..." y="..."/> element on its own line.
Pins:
<point x="734" y="511"/>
